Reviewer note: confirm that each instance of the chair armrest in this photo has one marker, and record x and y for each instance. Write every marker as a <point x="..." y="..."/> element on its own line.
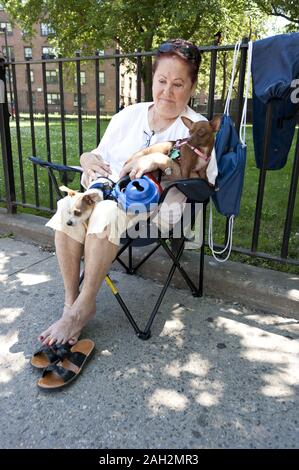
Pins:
<point x="67" y="173"/>
<point x="55" y="166"/>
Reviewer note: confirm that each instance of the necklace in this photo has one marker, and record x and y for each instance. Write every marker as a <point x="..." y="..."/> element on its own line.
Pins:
<point x="154" y="128"/>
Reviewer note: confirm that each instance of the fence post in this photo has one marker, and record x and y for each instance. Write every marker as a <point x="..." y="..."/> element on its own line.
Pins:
<point x="6" y="144"/>
<point x="117" y="65"/>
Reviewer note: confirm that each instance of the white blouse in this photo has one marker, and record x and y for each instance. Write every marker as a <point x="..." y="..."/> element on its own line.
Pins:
<point x="129" y="131"/>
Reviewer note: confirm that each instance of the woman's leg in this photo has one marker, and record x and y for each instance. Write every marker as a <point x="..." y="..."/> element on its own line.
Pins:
<point x="99" y="254"/>
<point x="69" y="253"/>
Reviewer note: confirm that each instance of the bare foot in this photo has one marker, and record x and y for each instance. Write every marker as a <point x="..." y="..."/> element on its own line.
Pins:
<point x="67" y="328"/>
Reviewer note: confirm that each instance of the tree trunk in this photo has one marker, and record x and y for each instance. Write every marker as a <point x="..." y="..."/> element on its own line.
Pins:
<point x="148" y="79"/>
<point x="147" y="70"/>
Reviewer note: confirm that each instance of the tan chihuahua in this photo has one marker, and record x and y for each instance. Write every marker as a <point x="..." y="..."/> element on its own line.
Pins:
<point x="81" y="205"/>
<point x="193" y="153"/>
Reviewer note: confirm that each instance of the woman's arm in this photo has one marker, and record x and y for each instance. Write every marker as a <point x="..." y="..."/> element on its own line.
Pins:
<point x="137" y="167"/>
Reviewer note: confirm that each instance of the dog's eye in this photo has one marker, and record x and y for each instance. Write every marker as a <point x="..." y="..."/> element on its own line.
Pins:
<point x="77" y="212"/>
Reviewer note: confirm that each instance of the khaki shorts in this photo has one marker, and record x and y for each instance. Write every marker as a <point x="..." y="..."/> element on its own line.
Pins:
<point x="108" y="218"/>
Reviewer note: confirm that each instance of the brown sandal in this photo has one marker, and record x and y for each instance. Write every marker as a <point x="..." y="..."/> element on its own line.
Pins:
<point x="61" y="373"/>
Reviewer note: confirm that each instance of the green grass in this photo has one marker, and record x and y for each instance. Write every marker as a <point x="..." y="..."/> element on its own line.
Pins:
<point x="275" y="199"/>
<point x="72" y="152"/>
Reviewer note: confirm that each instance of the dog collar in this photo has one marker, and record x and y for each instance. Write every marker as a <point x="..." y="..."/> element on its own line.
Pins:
<point x="185" y="141"/>
<point x="175" y="153"/>
<point x="198" y="152"/>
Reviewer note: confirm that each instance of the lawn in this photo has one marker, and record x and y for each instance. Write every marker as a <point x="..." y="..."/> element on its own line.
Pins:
<point x="275" y="199"/>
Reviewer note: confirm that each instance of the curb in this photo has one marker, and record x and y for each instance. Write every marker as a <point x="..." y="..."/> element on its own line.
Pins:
<point x="264" y="289"/>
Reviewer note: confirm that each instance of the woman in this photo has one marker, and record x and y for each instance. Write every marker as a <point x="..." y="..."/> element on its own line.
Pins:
<point x="135" y="127"/>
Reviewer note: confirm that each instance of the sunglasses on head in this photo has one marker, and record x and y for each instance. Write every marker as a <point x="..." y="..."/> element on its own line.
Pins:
<point x="190" y="52"/>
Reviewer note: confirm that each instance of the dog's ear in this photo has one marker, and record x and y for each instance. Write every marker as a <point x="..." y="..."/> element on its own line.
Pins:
<point x="91" y="196"/>
<point x="188" y="123"/>
<point x="215" y="123"/>
<point x="70" y="192"/>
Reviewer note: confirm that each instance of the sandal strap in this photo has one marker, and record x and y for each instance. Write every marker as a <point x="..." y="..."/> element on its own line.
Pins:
<point x="76" y="358"/>
<point x="62" y="350"/>
<point x="49" y="352"/>
<point x="63" y="373"/>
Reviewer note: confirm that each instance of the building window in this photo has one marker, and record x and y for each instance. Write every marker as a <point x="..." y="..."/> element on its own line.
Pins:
<point x="8" y="52"/>
<point x="6" y="25"/>
<point x="53" y="98"/>
<point x="48" y="52"/>
<point x="83" y="100"/>
<point x="46" y="29"/>
<point x="82" y="78"/>
<point x="101" y="78"/>
<point x="33" y="97"/>
<point x="27" y="53"/>
<point x="51" y="76"/>
<point x="102" y="100"/>
<point x="31" y="76"/>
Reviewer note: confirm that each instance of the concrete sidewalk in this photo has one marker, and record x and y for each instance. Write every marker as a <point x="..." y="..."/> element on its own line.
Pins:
<point x="252" y="286"/>
<point x="215" y="374"/>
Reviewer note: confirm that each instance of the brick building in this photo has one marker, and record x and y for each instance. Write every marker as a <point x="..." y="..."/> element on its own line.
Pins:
<point x="14" y="44"/>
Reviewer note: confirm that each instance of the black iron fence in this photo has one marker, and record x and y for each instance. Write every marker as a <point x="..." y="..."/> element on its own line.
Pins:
<point x="51" y="136"/>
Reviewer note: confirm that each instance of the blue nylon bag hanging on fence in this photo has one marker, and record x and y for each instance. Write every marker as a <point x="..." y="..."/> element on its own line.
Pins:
<point x="231" y="160"/>
<point x="231" y="151"/>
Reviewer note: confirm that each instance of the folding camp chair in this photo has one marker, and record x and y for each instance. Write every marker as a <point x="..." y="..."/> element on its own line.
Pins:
<point x="196" y="191"/>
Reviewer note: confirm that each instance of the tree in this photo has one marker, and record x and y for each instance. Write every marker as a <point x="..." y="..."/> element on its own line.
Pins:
<point x="93" y="24"/>
<point x="286" y="9"/>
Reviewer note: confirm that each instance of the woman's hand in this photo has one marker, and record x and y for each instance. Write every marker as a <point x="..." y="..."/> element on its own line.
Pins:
<point x="94" y="166"/>
<point x="136" y="167"/>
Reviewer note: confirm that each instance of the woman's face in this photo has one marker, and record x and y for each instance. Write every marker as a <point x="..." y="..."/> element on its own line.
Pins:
<point x="172" y="87"/>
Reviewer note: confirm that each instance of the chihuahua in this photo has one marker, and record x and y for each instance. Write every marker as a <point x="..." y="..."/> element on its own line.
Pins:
<point x="80" y="206"/>
<point x="193" y="153"/>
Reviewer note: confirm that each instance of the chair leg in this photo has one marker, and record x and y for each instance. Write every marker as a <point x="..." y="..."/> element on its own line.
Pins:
<point x="159" y="301"/>
<point x="175" y="260"/>
<point x="146" y="333"/>
<point x="127" y="312"/>
<point x="126" y="245"/>
<point x="202" y="251"/>
<point x="131" y="269"/>
<point x="135" y="268"/>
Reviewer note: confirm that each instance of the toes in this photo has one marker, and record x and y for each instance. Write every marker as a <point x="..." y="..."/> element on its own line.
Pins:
<point x="42" y="337"/>
<point x="58" y="339"/>
<point x="73" y="340"/>
<point x="52" y="340"/>
<point x="46" y="342"/>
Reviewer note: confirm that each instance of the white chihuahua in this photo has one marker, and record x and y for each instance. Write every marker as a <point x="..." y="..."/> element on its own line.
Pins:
<point x="80" y="205"/>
